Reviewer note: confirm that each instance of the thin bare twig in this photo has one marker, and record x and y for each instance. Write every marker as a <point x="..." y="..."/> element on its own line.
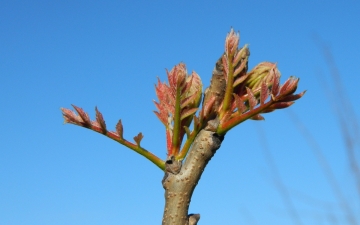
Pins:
<point x="277" y="179"/>
<point x="315" y="147"/>
<point x="343" y="109"/>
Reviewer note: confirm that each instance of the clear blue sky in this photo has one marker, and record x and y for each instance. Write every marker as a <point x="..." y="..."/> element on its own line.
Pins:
<point x="109" y="53"/>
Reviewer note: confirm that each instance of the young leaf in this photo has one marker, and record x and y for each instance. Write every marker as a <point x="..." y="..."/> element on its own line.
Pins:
<point x="264" y="93"/>
<point x="231" y="42"/>
<point x="257" y="117"/>
<point x="291" y="97"/>
<point x="138" y="138"/>
<point x="100" y="120"/>
<point x="225" y="67"/>
<point x="178" y="102"/>
<point x="289" y="86"/>
<point x="83" y="115"/>
<point x="239" y="104"/>
<point x="252" y="99"/>
<point x="70" y="116"/>
<point x="276" y="82"/>
<point x="120" y="129"/>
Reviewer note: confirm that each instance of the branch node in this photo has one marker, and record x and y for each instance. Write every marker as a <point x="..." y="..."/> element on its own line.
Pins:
<point x="193" y="219"/>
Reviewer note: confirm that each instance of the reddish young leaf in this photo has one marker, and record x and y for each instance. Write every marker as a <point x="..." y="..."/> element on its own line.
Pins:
<point x="178" y="102"/>
<point x="100" y="120"/>
<point x="240" y="80"/>
<point x="188" y="112"/>
<point x="281" y="105"/>
<point x="289" y="98"/>
<point x="276" y="83"/>
<point x="251" y="98"/>
<point x="239" y="104"/>
<point x="70" y="116"/>
<point x="231" y="42"/>
<point x="243" y="53"/>
<point x="289" y="86"/>
<point x="120" y="129"/>
<point x="264" y="93"/>
<point x="138" y="138"/>
<point x="257" y="117"/>
<point x="84" y="116"/>
<point x="206" y="108"/>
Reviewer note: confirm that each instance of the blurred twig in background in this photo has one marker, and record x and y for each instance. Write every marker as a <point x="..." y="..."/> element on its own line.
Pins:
<point x="349" y="127"/>
<point x="343" y="109"/>
<point x="315" y="147"/>
<point x="277" y="179"/>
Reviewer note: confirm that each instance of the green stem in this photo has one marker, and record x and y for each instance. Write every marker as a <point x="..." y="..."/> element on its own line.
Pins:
<point x="235" y="120"/>
<point x="153" y="158"/>
<point x="177" y="122"/>
<point x="229" y="86"/>
<point x="187" y="145"/>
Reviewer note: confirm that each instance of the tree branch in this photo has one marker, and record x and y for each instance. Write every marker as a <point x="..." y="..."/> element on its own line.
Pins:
<point x="179" y="187"/>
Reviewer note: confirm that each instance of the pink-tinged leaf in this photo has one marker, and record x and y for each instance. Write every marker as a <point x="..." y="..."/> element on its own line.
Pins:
<point x="194" y="90"/>
<point x="120" y="129"/>
<point x="178" y="101"/>
<point x="84" y="116"/>
<point x="281" y="105"/>
<point x="240" y="80"/>
<point x="189" y="101"/>
<point x="163" y="118"/>
<point x="289" y="86"/>
<point x="252" y="99"/>
<point x="177" y="77"/>
<point x="267" y="110"/>
<point x="240" y="104"/>
<point x="188" y="112"/>
<point x="208" y="107"/>
<point x="138" y="138"/>
<point x="243" y="53"/>
<point x="240" y="68"/>
<point x="71" y="117"/>
<point x="231" y="42"/>
<point x="276" y="82"/>
<point x="100" y="120"/>
<point x="188" y="83"/>
<point x="264" y="93"/>
<point x="257" y="117"/>
<point x="289" y="98"/>
<point x="163" y="114"/>
<point x="233" y="105"/>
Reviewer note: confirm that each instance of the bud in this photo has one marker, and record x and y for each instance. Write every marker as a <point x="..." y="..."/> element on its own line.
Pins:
<point x="231" y="42"/>
<point x="261" y="73"/>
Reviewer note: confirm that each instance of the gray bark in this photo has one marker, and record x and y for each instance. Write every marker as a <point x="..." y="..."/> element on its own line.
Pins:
<point x="180" y="179"/>
<point x="179" y="186"/>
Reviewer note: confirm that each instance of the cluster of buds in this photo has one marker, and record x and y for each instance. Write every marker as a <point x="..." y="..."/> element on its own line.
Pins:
<point x="248" y="94"/>
<point x="234" y="96"/>
<point x="178" y="102"/>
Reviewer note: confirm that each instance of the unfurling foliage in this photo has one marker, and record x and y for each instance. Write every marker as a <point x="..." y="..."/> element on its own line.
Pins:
<point x="234" y="96"/>
<point x="177" y="105"/>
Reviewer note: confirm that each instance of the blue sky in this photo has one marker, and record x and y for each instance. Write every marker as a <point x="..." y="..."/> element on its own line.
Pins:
<point x="109" y="53"/>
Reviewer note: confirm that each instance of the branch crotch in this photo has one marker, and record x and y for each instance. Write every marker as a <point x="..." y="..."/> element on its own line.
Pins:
<point x="179" y="187"/>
